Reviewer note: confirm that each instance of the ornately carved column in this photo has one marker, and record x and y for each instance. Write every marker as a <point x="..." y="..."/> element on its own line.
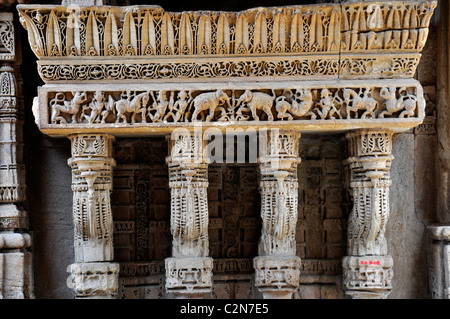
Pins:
<point x="277" y="268"/>
<point x="189" y="270"/>
<point x="16" y="279"/>
<point x="368" y="268"/>
<point x="93" y="275"/>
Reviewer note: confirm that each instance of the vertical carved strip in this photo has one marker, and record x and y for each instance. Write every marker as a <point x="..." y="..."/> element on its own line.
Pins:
<point x="279" y="209"/>
<point x="334" y="32"/>
<point x="92" y="36"/>
<point x="189" y="271"/>
<point x="279" y="32"/>
<point x="15" y="257"/>
<point x="241" y="35"/>
<point x="204" y="35"/>
<point x="185" y="35"/>
<point x="148" y="43"/>
<point x="223" y="35"/>
<point x="167" y="36"/>
<point x="370" y="157"/>
<point x="297" y="32"/>
<point x="111" y="45"/>
<point x="129" y="35"/>
<point x="73" y="39"/>
<point x="260" y="34"/>
<point x="53" y="36"/>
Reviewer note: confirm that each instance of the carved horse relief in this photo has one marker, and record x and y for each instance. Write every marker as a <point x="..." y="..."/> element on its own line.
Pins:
<point x="70" y="107"/>
<point x="360" y="101"/>
<point x="134" y="106"/>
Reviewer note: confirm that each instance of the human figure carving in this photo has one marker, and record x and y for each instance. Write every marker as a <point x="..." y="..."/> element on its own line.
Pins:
<point x="160" y="105"/>
<point x="70" y="107"/>
<point x="179" y="108"/>
<point x="360" y="101"/>
<point x="406" y="102"/>
<point x="298" y="109"/>
<point x="209" y="101"/>
<point x="96" y="106"/>
<point x="256" y="101"/>
<point x="135" y="106"/>
<point x="327" y="105"/>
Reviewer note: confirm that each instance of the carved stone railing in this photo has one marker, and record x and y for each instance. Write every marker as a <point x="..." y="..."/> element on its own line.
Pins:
<point x="314" y="42"/>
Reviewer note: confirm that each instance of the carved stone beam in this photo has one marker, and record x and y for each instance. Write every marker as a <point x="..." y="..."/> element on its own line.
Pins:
<point x="313" y="106"/>
<point x="367" y="268"/>
<point x="189" y="270"/>
<point x="298" y="42"/>
<point x="277" y="268"/>
<point x="93" y="275"/>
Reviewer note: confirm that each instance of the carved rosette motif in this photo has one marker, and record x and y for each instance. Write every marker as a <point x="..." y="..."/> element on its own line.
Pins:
<point x="189" y="271"/>
<point x="277" y="268"/>
<point x="369" y="162"/>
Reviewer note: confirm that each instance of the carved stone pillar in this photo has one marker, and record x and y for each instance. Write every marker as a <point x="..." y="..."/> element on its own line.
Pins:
<point x="93" y="275"/>
<point x="367" y="268"/>
<point x="439" y="262"/>
<point x="277" y="268"/>
<point x="16" y="280"/>
<point x="189" y="270"/>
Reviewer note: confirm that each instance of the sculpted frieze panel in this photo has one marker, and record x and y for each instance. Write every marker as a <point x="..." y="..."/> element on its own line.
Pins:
<point x="307" y="103"/>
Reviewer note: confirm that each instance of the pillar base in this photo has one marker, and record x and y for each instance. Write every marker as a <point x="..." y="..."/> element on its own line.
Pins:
<point x="368" y="277"/>
<point x="439" y="261"/>
<point x="277" y="277"/>
<point x="189" y="277"/>
<point x="97" y="280"/>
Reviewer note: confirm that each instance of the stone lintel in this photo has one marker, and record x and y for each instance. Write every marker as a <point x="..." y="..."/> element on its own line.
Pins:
<point x="156" y="109"/>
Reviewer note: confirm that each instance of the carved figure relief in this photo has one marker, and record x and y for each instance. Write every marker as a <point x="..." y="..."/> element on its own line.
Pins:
<point x="406" y="103"/>
<point x="290" y="104"/>
<point x="60" y="105"/>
